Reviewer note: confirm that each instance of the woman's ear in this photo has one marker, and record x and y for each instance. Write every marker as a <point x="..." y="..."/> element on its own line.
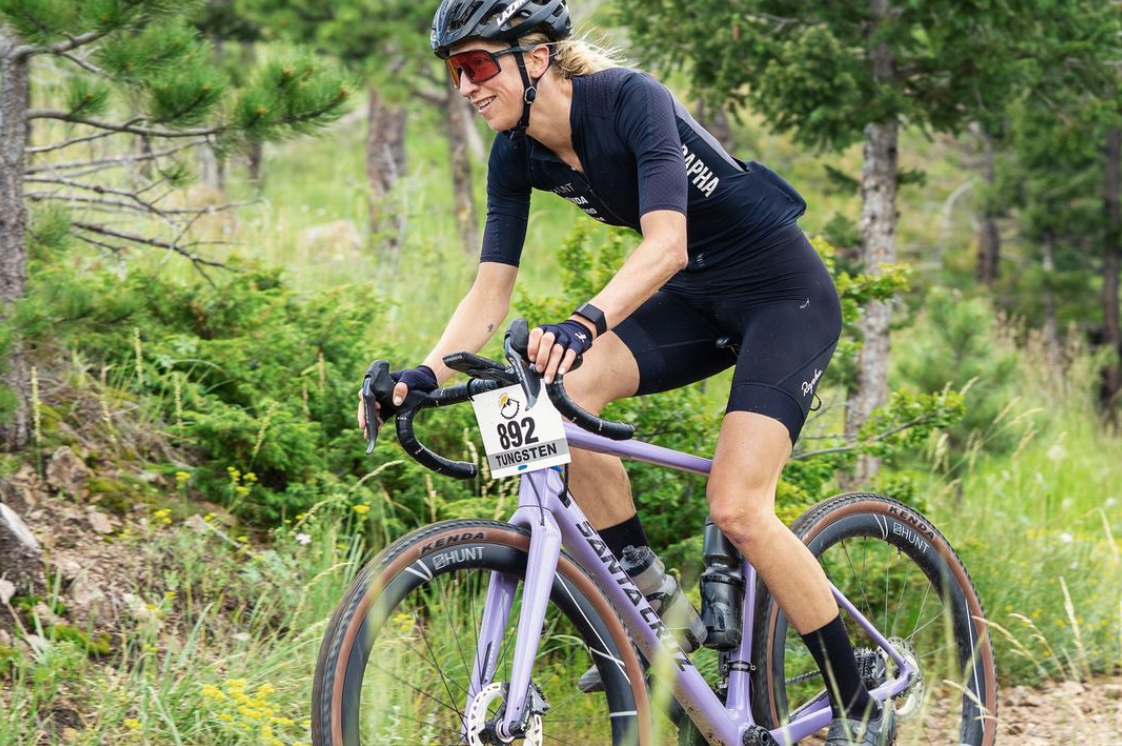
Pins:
<point x="539" y="60"/>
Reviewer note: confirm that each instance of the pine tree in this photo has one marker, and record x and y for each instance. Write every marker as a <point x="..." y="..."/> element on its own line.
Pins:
<point x="140" y="57"/>
<point x="836" y="72"/>
<point x="387" y="43"/>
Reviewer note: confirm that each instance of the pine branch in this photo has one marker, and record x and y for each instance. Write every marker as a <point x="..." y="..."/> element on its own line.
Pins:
<point x="113" y="162"/>
<point x="60" y="47"/>
<point x="856" y="444"/>
<point x="145" y="240"/>
<point x="126" y="127"/>
<point x="77" y="140"/>
<point x="87" y="66"/>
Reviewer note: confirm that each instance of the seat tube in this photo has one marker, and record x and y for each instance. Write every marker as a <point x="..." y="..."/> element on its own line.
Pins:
<point x="545" y="550"/>
<point x="739" y="693"/>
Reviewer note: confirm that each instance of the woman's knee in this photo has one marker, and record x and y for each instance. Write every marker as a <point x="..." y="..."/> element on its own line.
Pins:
<point x="745" y="516"/>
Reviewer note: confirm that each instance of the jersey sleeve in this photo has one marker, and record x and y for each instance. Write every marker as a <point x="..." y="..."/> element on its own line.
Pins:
<point x="646" y="120"/>
<point x="508" y="204"/>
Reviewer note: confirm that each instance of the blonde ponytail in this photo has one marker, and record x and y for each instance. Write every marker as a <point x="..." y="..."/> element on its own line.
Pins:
<point x="577" y="55"/>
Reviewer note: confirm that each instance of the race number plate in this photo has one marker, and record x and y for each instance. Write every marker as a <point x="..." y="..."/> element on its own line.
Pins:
<point x="517" y="440"/>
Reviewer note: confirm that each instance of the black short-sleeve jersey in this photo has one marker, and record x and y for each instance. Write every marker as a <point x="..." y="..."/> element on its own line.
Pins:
<point x="641" y="151"/>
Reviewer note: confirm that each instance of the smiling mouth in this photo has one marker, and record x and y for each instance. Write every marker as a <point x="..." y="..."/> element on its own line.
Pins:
<point x="481" y="106"/>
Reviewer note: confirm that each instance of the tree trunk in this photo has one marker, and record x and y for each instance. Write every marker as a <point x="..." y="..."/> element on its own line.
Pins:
<point x="1112" y="249"/>
<point x="989" y="240"/>
<point x="15" y="94"/>
<point x="1051" y="325"/>
<point x="457" y="114"/>
<point x="716" y="123"/>
<point x="385" y="159"/>
<point x="879" y="182"/>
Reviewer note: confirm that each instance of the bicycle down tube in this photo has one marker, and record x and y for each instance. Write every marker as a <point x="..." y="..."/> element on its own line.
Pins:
<point x="555" y="521"/>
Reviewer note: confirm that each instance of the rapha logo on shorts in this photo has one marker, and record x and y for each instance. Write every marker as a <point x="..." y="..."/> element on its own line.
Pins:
<point x="809" y="387"/>
<point x="510" y="11"/>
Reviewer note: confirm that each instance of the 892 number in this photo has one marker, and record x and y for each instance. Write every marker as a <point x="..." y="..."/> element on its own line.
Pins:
<point x="515" y="434"/>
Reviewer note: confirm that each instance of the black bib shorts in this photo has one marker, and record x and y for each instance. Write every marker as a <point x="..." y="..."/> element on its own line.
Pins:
<point x="784" y="323"/>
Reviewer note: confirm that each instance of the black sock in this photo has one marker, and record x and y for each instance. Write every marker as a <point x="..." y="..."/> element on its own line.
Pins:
<point x="630" y="533"/>
<point x="834" y="654"/>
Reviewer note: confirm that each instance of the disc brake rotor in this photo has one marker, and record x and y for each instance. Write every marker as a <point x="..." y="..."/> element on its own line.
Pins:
<point x="910" y="701"/>
<point x="485" y="710"/>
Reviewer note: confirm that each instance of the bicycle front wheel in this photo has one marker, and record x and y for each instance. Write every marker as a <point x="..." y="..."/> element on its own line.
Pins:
<point x="905" y="578"/>
<point x="397" y="660"/>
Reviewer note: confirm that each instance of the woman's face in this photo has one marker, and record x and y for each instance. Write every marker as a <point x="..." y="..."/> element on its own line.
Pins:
<point x="499" y="99"/>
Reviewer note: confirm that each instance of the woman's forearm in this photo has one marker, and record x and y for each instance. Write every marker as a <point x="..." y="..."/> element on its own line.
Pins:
<point x="655" y="260"/>
<point x="474" y="321"/>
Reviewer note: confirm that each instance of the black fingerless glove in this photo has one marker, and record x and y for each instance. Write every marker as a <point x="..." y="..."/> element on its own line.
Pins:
<point x="572" y="335"/>
<point x="421" y="379"/>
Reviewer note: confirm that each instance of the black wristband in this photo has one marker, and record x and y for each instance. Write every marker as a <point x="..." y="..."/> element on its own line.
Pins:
<point x="593" y="314"/>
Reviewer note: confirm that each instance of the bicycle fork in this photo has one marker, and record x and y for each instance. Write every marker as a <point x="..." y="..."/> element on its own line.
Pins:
<point x="541" y="566"/>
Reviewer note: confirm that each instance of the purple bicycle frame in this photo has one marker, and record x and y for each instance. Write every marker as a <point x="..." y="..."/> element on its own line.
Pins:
<point x="555" y="521"/>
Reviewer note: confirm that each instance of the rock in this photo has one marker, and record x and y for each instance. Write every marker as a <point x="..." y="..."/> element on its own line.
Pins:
<point x="5" y="639"/>
<point x="1113" y="691"/>
<point x="23" y="490"/>
<point x="224" y="517"/>
<point x="67" y="473"/>
<point x="99" y="521"/>
<point x="37" y="643"/>
<point x="197" y="524"/>
<point x="339" y="236"/>
<point x="7" y="590"/>
<point x="46" y="616"/>
<point x="20" y="553"/>
<point x="69" y="569"/>
<point x="86" y="596"/>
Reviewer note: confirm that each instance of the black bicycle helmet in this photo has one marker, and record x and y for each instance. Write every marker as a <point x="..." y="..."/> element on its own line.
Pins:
<point x="497" y="20"/>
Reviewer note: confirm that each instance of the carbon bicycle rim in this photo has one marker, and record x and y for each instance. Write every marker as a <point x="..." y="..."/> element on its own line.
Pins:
<point x="395" y="664"/>
<point x="904" y="577"/>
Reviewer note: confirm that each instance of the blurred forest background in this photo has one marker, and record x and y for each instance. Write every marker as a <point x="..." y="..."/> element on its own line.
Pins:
<point x="213" y="215"/>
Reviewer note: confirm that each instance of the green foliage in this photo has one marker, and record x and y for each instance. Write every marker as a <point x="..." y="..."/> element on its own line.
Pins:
<point x="257" y="377"/>
<point x="86" y="98"/>
<point x="290" y="97"/>
<point x="961" y="342"/>
<point x="386" y="41"/>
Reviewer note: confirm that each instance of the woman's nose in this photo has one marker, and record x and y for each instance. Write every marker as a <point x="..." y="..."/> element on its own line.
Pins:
<point x="467" y="88"/>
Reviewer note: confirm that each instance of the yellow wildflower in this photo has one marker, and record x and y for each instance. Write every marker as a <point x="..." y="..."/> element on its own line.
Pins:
<point x="182" y="476"/>
<point x="243" y="538"/>
<point x="362" y="509"/>
<point x="132" y="724"/>
<point x="236" y="683"/>
<point x="226" y="717"/>
<point x="250" y="476"/>
<point x="243" y="491"/>
<point x="265" y="690"/>
<point x="170" y="595"/>
<point x="284" y="721"/>
<point x="212" y="692"/>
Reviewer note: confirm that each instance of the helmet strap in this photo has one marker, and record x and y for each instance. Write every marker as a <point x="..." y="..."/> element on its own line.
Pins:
<point x="529" y="95"/>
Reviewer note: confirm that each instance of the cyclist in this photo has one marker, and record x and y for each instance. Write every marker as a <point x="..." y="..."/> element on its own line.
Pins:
<point x="574" y="121"/>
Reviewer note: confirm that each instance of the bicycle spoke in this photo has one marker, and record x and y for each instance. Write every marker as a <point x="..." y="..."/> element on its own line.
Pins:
<point x="443" y="678"/>
<point x="868" y="606"/>
<point x="455" y="636"/>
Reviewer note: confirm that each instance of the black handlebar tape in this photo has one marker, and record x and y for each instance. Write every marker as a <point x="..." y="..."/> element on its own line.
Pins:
<point x="584" y="419"/>
<point x="425" y="457"/>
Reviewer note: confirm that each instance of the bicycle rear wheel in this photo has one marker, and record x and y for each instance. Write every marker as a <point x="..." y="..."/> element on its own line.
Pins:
<point x="903" y="575"/>
<point x="396" y="661"/>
